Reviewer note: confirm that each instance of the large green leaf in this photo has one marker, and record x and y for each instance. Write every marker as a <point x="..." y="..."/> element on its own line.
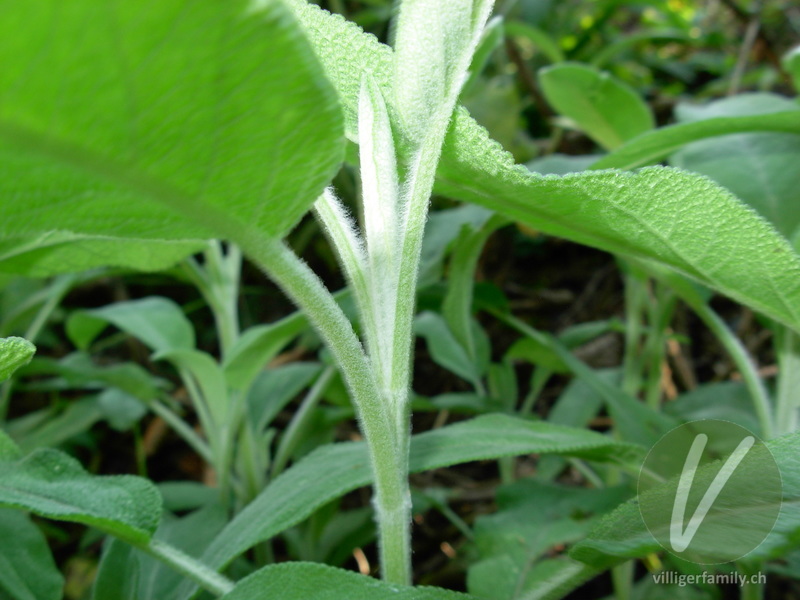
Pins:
<point x="334" y="470"/>
<point x="14" y="353"/>
<point x="606" y="109"/>
<point x="679" y="219"/>
<point x="160" y="119"/>
<point x="52" y="252"/>
<point x="52" y="484"/>
<point x="623" y="534"/>
<point x="27" y="568"/>
<point x="313" y="581"/>
<point x="760" y="168"/>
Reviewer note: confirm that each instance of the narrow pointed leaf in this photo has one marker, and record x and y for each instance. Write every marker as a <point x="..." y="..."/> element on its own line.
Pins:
<point x="433" y="41"/>
<point x="332" y="471"/>
<point x="257" y="346"/>
<point x="653" y="146"/>
<point x="26" y="564"/>
<point x="378" y="179"/>
<point x="208" y="377"/>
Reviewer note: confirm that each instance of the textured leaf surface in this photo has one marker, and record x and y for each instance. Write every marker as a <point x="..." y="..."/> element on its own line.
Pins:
<point x="211" y="109"/>
<point x="760" y="168"/>
<point x="676" y="218"/>
<point x="27" y="568"/>
<point x="623" y="534"/>
<point x="51" y="484"/>
<point x="14" y="353"/>
<point x="433" y="40"/>
<point x="53" y="252"/>
<point x="606" y="109"/>
<point x="314" y="581"/>
<point x="331" y="471"/>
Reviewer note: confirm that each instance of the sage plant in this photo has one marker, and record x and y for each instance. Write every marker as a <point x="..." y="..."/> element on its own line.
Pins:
<point x="434" y="45"/>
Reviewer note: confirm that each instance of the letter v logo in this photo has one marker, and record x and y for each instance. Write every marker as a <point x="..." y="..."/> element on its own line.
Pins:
<point x="679" y="537"/>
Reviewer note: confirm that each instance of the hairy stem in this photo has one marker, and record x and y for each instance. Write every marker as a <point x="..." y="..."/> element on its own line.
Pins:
<point x="388" y="454"/>
<point x="201" y="574"/>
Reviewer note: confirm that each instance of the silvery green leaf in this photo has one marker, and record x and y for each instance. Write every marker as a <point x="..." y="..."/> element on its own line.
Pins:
<point x="433" y="49"/>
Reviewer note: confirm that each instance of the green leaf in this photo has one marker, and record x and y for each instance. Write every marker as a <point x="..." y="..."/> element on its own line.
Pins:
<point x="77" y="370"/>
<point x="158" y="322"/>
<point x="51" y="484"/>
<point x="433" y="40"/>
<point x="457" y="304"/>
<point x="635" y="421"/>
<point x="540" y="38"/>
<point x="331" y="471"/>
<point x="623" y="535"/>
<point x="653" y="146"/>
<point x="313" y="581"/>
<point x="121" y="410"/>
<point x="578" y="404"/>
<point x="126" y="573"/>
<point x="118" y="573"/>
<point x="441" y="229"/>
<point x="27" y="566"/>
<point x="760" y="168"/>
<point x="536" y="353"/>
<point x="606" y="109"/>
<point x="531" y="518"/>
<point x="160" y="121"/>
<point x="257" y="346"/>
<point x="562" y="164"/>
<point x="77" y="418"/>
<point x="448" y="352"/>
<point x="603" y="58"/>
<point x="727" y="401"/>
<point x="791" y="63"/>
<point x="8" y="449"/>
<point x="676" y="218"/>
<point x="53" y="252"/>
<point x="274" y="388"/>
<point x="209" y="379"/>
<point x="495" y="578"/>
<point x="14" y="353"/>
